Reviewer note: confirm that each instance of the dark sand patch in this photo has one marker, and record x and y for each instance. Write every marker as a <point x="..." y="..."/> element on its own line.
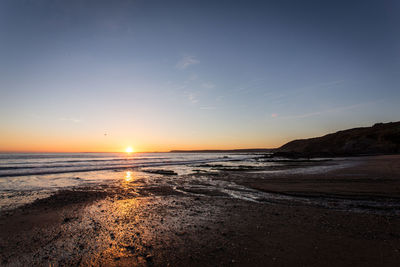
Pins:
<point x="371" y="177"/>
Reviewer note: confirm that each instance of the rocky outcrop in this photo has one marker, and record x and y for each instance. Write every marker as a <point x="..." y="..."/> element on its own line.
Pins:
<point x="381" y="138"/>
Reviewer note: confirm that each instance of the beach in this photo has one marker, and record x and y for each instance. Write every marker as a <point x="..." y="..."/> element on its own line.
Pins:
<point x="199" y="133"/>
<point x="323" y="212"/>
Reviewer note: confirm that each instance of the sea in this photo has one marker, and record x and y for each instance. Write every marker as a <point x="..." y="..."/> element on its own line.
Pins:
<point x="25" y="177"/>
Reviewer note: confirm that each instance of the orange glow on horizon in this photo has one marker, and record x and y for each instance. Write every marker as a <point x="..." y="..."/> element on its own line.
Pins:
<point x="33" y="142"/>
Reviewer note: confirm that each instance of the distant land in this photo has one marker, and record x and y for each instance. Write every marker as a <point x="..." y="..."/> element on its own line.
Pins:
<point x="381" y="138"/>
<point x="252" y="150"/>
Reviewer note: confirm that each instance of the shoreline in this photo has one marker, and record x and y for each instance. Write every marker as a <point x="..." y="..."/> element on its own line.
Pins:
<point x="138" y="224"/>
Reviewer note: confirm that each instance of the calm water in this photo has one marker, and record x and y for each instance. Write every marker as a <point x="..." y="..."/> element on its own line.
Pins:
<point x="25" y="177"/>
<point x="41" y="164"/>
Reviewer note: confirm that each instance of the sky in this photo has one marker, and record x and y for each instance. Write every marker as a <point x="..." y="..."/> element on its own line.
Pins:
<point x="91" y="76"/>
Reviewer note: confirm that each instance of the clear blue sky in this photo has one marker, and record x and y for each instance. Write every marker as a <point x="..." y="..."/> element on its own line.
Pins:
<point x="160" y="75"/>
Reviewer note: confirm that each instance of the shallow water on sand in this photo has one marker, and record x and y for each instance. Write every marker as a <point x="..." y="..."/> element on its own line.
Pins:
<point x="26" y="177"/>
<point x="22" y="164"/>
<point x="192" y="175"/>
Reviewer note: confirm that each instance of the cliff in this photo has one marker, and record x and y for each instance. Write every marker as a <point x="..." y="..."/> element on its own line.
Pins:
<point x="381" y="138"/>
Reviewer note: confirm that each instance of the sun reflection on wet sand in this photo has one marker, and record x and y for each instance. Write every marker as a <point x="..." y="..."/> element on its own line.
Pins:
<point x="128" y="176"/>
<point x="135" y="231"/>
<point x="120" y="230"/>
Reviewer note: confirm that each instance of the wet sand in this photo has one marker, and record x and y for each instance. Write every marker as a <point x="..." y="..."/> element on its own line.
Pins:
<point x="132" y="224"/>
<point x="367" y="177"/>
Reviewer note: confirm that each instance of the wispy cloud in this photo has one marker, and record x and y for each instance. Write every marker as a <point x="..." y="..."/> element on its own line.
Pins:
<point x="288" y="94"/>
<point x="208" y="85"/>
<point x="326" y="111"/>
<point x="208" y="108"/>
<point x="192" y="98"/>
<point x="318" y="86"/>
<point x="193" y="77"/>
<point x="34" y="116"/>
<point x="187" y="61"/>
<point x="252" y="85"/>
<point x="274" y="115"/>
<point x="74" y="120"/>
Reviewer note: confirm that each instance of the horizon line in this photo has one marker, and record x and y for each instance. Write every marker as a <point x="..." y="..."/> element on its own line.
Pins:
<point x="123" y="152"/>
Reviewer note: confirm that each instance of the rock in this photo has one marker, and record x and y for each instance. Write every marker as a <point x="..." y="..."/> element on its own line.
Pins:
<point x="163" y="172"/>
<point x="130" y="249"/>
<point x="381" y="138"/>
<point x="149" y="257"/>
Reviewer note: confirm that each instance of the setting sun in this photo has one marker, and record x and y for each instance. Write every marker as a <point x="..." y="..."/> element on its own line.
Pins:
<point x="129" y="149"/>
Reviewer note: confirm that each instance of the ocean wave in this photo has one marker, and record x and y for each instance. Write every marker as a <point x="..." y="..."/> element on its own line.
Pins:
<point x="51" y="168"/>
